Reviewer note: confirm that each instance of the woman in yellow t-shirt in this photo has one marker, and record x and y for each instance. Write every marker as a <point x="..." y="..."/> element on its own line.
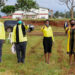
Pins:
<point x="47" y="40"/>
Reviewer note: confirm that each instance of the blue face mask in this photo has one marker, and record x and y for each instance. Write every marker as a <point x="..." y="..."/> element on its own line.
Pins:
<point x="47" y="25"/>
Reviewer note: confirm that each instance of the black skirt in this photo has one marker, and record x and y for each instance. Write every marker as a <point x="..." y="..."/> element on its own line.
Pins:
<point x="47" y="43"/>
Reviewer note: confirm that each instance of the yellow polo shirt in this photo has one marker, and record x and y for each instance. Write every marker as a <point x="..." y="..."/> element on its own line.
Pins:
<point x="47" y="32"/>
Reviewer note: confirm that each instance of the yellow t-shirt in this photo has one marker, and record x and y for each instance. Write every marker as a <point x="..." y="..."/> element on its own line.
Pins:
<point x="47" y="32"/>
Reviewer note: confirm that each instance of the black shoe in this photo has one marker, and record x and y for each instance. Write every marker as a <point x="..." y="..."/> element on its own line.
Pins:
<point x="22" y="61"/>
<point x="19" y="61"/>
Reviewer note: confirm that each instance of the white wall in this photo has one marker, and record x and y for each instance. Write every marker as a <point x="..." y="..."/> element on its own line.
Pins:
<point x="43" y="16"/>
<point x="42" y="10"/>
<point x="16" y="16"/>
<point x="42" y="13"/>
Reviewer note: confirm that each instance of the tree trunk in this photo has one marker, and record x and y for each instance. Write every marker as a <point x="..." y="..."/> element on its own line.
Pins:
<point x="71" y="13"/>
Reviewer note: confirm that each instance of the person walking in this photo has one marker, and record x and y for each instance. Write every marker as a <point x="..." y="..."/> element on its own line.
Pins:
<point x="19" y="38"/>
<point x="2" y="38"/>
<point x="47" y="40"/>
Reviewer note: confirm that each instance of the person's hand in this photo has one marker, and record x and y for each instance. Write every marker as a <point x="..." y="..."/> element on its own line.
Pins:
<point x="43" y="27"/>
<point x="12" y="43"/>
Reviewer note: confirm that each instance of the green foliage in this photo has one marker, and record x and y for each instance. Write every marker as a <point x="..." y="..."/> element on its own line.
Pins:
<point x="9" y="9"/>
<point x="34" y="62"/>
<point x="62" y="14"/>
<point x="57" y="14"/>
<point x="26" y="4"/>
<point x="67" y="14"/>
<point x="1" y="3"/>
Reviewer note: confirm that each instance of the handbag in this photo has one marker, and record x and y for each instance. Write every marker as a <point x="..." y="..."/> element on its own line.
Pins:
<point x="13" y="49"/>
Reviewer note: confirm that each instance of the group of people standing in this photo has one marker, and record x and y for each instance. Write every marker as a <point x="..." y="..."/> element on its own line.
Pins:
<point x="19" y="38"/>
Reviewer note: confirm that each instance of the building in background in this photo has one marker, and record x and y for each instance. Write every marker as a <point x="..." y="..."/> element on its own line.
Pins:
<point x="18" y="14"/>
<point x="40" y="13"/>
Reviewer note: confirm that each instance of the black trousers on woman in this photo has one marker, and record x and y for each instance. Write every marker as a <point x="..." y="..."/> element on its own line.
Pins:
<point x="21" y="51"/>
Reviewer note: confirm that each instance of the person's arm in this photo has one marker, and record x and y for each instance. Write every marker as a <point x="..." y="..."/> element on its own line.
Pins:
<point x="26" y="27"/>
<point x="42" y="29"/>
<point x="67" y="28"/>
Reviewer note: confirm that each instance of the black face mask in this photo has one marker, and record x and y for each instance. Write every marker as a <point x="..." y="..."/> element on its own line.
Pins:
<point x="72" y="24"/>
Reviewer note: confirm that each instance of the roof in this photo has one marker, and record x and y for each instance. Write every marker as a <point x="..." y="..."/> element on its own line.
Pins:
<point x="44" y="8"/>
<point x="6" y="17"/>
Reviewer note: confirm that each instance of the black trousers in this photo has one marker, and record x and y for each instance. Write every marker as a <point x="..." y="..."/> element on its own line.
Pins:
<point x="21" y="51"/>
<point x="1" y="44"/>
<point x="47" y="43"/>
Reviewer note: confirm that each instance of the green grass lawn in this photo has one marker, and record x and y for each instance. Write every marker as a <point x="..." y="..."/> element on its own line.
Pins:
<point x="34" y="63"/>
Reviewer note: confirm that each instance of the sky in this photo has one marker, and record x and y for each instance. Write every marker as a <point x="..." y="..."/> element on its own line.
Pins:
<point x="55" y="5"/>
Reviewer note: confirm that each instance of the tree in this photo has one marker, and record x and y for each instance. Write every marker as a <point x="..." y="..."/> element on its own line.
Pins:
<point x="70" y="5"/>
<point x="9" y="9"/>
<point x="26" y="4"/>
<point x="56" y="14"/>
<point x="2" y="3"/>
<point x="0" y="16"/>
<point x="62" y="14"/>
<point x="67" y="14"/>
<point x="59" y="14"/>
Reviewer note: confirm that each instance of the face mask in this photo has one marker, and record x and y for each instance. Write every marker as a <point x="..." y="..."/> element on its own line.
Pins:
<point x="72" y="24"/>
<point x="19" y="22"/>
<point x="47" y="25"/>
